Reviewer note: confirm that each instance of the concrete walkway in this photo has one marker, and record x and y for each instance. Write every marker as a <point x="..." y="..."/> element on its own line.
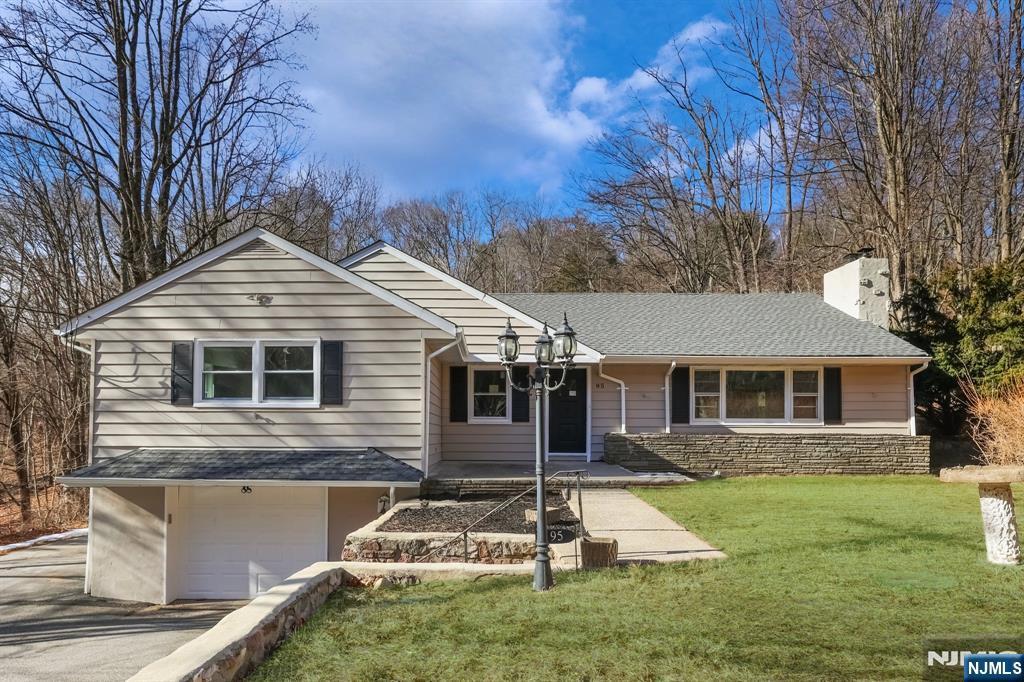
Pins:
<point x="645" y="535"/>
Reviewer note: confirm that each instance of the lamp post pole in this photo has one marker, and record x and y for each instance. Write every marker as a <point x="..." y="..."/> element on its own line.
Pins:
<point x="547" y="352"/>
<point x="542" y="579"/>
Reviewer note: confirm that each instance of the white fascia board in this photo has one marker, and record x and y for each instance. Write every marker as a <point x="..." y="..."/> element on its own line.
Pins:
<point x="764" y="359"/>
<point x="383" y="247"/>
<point x="75" y="482"/>
<point x="231" y="245"/>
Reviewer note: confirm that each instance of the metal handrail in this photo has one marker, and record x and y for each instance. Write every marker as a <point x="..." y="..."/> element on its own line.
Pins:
<point x="464" y="533"/>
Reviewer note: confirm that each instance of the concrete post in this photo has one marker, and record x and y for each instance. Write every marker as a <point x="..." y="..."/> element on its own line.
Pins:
<point x="997" y="516"/>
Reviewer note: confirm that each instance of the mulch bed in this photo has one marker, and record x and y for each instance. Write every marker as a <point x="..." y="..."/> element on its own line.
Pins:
<point x="454" y="517"/>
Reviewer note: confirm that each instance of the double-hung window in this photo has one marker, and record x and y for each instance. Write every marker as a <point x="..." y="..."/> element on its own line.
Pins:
<point x="755" y="395"/>
<point x="258" y="372"/>
<point x="489" y="399"/>
<point x="806" y="395"/>
<point x="707" y="394"/>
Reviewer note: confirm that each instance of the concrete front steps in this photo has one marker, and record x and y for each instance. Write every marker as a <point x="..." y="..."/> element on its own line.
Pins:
<point x="487" y="487"/>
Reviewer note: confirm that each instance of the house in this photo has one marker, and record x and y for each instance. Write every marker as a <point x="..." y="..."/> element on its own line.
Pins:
<point x="255" y="404"/>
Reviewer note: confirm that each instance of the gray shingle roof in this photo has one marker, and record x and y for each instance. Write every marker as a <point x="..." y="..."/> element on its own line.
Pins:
<point x="214" y="464"/>
<point x="766" y="325"/>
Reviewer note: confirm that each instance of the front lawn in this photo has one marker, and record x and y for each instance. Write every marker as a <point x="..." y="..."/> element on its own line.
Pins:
<point x="831" y="577"/>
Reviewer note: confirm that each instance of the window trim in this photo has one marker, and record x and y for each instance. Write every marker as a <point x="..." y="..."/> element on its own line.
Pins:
<point x="257" y="399"/>
<point x="471" y="418"/>
<point x="788" y="419"/>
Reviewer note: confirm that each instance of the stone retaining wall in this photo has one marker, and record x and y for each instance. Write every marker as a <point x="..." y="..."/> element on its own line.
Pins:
<point x="245" y="637"/>
<point x="747" y="454"/>
<point x="370" y="544"/>
<point x="485" y="548"/>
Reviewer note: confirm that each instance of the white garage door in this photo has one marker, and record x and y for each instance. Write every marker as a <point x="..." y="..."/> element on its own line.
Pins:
<point x="237" y="545"/>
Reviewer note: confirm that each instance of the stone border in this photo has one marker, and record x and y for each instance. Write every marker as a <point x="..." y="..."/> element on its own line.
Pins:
<point x="245" y="637"/>
<point x="369" y="544"/>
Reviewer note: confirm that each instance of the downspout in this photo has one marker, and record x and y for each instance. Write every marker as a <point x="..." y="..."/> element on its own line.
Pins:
<point x="425" y="447"/>
<point x="911" y="406"/>
<point x="622" y="394"/>
<point x="668" y="398"/>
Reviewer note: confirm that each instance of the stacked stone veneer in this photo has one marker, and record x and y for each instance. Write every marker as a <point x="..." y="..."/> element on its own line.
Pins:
<point x="490" y="548"/>
<point x="750" y="454"/>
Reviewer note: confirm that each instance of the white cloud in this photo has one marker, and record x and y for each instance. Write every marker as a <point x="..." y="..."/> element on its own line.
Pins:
<point x="432" y="95"/>
<point x="685" y="49"/>
<point x="419" y="91"/>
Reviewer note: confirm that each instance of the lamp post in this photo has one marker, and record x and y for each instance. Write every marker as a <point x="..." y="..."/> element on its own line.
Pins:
<point x="548" y="353"/>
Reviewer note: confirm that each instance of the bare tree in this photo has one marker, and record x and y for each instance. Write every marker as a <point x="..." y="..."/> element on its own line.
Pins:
<point x="442" y="232"/>
<point x="332" y="212"/>
<point x="872" y="62"/>
<point x="170" y="111"/>
<point x="1005" y="36"/>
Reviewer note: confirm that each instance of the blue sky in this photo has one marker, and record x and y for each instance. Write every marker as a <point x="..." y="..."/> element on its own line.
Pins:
<point x="430" y="96"/>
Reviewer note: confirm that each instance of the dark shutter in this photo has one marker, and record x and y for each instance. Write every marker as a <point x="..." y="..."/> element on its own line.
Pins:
<point x="181" y="373"/>
<point x="681" y="395"/>
<point x="457" y="401"/>
<point x="332" y="362"/>
<point x="833" y="395"/>
<point x="520" y="399"/>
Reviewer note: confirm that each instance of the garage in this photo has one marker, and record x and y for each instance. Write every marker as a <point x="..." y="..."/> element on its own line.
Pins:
<point x="238" y="542"/>
<point x="225" y="523"/>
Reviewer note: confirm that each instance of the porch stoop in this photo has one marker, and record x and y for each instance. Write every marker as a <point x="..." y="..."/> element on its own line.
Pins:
<point x="454" y="479"/>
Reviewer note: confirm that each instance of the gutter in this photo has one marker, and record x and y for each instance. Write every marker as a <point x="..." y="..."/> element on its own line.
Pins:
<point x="424" y="448"/>
<point x="622" y="394"/>
<point x="106" y="482"/>
<point x="911" y="402"/>
<point x="770" y="359"/>
<point x="668" y="398"/>
<point x="68" y="341"/>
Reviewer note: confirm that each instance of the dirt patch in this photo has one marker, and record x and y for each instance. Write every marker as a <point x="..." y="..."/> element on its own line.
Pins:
<point x="54" y="509"/>
<point x="452" y="517"/>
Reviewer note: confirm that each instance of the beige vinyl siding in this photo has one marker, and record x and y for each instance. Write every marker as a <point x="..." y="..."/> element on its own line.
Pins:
<point x="645" y="402"/>
<point x="874" y="401"/>
<point x="481" y="322"/>
<point x="383" y="360"/>
<point x="488" y="442"/>
<point x="875" y="398"/>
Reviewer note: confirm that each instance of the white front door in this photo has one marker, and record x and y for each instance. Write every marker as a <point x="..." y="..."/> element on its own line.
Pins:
<point x="237" y="544"/>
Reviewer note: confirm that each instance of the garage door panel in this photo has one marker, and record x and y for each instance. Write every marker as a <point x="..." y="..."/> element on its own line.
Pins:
<point x="236" y="545"/>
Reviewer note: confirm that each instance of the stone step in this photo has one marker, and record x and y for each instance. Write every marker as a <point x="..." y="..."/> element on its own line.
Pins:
<point x="463" y="487"/>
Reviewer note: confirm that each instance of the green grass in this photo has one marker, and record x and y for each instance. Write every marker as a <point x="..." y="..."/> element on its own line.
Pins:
<point x="828" y="578"/>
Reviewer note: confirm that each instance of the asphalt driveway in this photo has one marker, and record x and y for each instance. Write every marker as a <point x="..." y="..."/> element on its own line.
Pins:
<point x="50" y="630"/>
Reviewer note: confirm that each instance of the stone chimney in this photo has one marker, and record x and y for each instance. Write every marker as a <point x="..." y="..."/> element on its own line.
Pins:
<point x="861" y="288"/>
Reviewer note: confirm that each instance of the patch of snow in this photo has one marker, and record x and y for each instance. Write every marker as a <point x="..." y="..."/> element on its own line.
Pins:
<point x="53" y="537"/>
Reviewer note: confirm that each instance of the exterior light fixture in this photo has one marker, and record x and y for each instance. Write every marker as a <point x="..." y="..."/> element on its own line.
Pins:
<point x="544" y="350"/>
<point x="547" y="353"/>
<point x="508" y="345"/>
<point x="565" y="340"/>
